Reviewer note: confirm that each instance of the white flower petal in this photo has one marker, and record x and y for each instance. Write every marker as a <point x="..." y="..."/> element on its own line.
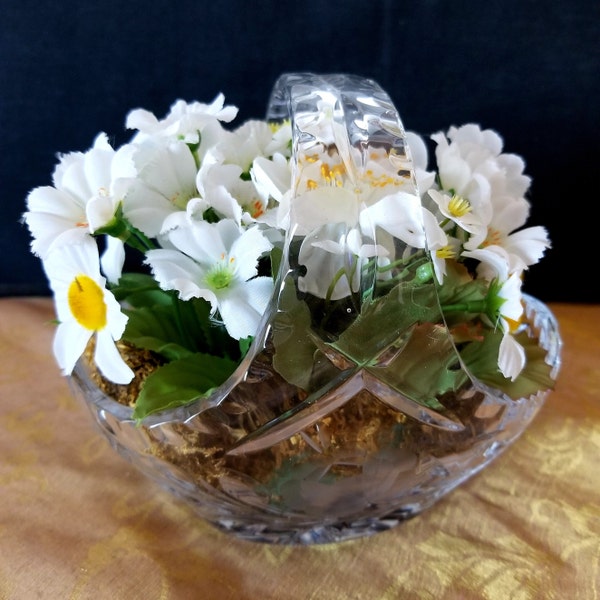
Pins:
<point x="244" y="306"/>
<point x="399" y="214"/>
<point x="109" y="360"/>
<point x="141" y="119"/>
<point x="511" y="357"/>
<point x="495" y="262"/>
<point x="70" y="341"/>
<point x="272" y="178"/>
<point x="170" y="266"/>
<point x="224" y="204"/>
<point x="323" y="206"/>
<point x="246" y="251"/>
<point x="100" y="210"/>
<point x="113" y="259"/>
<point x="418" y="150"/>
<point x="512" y="308"/>
<point x="51" y="212"/>
<point x="511" y="214"/>
<point x="528" y="244"/>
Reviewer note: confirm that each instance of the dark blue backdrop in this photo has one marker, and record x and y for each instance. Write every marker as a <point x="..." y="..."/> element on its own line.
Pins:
<point x="529" y="69"/>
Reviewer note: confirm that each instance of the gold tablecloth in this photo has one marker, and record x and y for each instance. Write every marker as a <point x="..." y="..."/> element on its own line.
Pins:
<point x="78" y="522"/>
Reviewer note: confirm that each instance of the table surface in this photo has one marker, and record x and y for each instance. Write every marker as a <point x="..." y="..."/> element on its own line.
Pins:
<point x="78" y="522"/>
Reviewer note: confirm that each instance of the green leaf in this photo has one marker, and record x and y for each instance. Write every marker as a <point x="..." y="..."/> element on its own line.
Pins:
<point x="175" y="327"/>
<point x="460" y="288"/>
<point x="401" y="339"/>
<point x="181" y="382"/>
<point x="425" y="367"/>
<point x="140" y="289"/>
<point x="245" y="344"/>
<point x="386" y="319"/>
<point x="276" y="258"/>
<point x="210" y="336"/>
<point x="481" y="358"/>
<point x="155" y="329"/>
<point x="294" y="348"/>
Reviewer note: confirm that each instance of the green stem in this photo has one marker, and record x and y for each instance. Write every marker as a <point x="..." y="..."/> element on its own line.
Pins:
<point x="332" y="285"/>
<point x="353" y="298"/>
<point x="445" y="222"/>
<point x="138" y="240"/>
<point x="473" y="306"/>
<point x="420" y="254"/>
<point x="119" y="227"/>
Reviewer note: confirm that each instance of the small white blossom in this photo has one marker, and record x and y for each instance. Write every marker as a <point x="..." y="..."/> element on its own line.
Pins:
<point x="333" y="256"/>
<point x="399" y="214"/>
<point x="228" y="193"/>
<point x="472" y="166"/>
<point x="525" y="247"/>
<point x="247" y="142"/>
<point x="86" y="190"/>
<point x="217" y="262"/>
<point x="184" y="121"/>
<point x="165" y="183"/>
<point x="458" y="210"/>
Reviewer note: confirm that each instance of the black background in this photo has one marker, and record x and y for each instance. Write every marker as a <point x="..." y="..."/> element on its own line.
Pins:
<point x="528" y="69"/>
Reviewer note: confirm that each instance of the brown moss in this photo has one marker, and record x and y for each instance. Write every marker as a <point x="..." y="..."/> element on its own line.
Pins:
<point x="360" y="428"/>
<point x="142" y="362"/>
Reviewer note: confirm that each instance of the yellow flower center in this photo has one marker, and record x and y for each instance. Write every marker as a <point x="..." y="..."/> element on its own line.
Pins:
<point x="445" y="252"/>
<point x="255" y="208"/>
<point x="333" y="175"/>
<point x="381" y="180"/>
<point x="275" y="127"/>
<point x="494" y="238"/>
<point x="86" y="302"/>
<point x="458" y="206"/>
<point x="512" y="324"/>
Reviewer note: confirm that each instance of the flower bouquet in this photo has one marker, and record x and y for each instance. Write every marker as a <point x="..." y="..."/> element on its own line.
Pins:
<point x="294" y="324"/>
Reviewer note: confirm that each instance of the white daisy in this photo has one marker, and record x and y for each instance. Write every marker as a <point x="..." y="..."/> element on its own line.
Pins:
<point x="85" y="308"/>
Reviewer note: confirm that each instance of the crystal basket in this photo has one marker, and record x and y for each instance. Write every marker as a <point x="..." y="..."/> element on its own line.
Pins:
<point x="350" y="412"/>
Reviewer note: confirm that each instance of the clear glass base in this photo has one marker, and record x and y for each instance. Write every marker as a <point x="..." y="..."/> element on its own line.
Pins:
<point x="347" y="473"/>
<point x="319" y="534"/>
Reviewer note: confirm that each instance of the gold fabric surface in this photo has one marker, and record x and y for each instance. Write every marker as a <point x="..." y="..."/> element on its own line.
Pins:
<point x="78" y="522"/>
